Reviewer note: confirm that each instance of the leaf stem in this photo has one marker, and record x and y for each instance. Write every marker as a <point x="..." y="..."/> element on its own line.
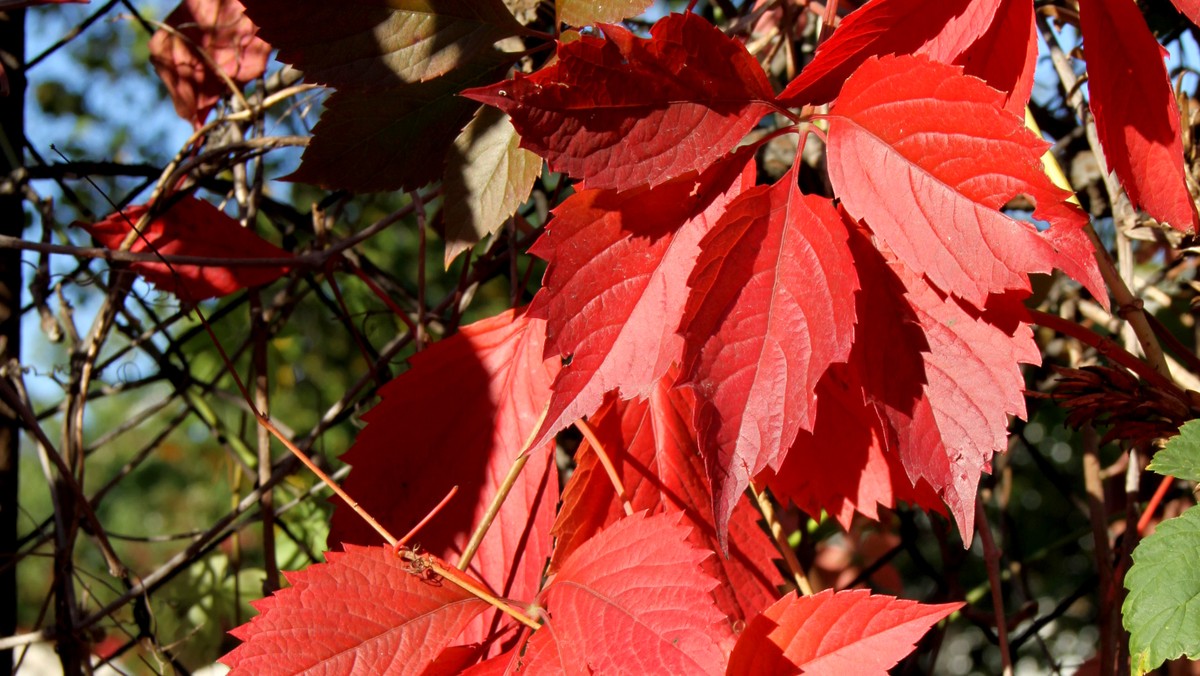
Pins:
<point x="789" y="556"/>
<point x="428" y="517"/>
<point x="597" y="447"/>
<point x="493" y="509"/>
<point x="1152" y="506"/>
<point x="312" y="467"/>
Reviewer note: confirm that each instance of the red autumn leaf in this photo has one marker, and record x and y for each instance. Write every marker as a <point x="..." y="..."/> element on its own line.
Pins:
<point x="460" y="416"/>
<point x="192" y="227"/>
<point x="927" y="157"/>
<point x="865" y="475"/>
<point x="362" y="611"/>
<point x="992" y="39"/>
<point x="1005" y="56"/>
<point x="624" y="111"/>
<point x="620" y="261"/>
<point x="633" y="599"/>
<point x="973" y="383"/>
<point x="878" y="28"/>
<point x="218" y="30"/>
<point x="847" y="632"/>
<point x="379" y="44"/>
<point x="772" y="306"/>
<point x="886" y="369"/>
<point x="1189" y="8"/>
<point x="1135" y="110"/>
<point x="651" y="444"/>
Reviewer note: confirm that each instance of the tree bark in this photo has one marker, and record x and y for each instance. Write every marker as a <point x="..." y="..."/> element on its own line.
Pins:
<point x="12" y="223"/>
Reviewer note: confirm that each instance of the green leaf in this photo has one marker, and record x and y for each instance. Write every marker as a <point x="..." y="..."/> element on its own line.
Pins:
<point x="487" y="177"/>
<point x="381" y="43"/>
<point x="1162" y="610"/>
<point x="584" y="12"/>
<point x="1181" y="456"/>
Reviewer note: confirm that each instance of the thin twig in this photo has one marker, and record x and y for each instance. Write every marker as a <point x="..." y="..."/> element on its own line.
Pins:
<point x="991" y="557"/>
<point x="598" y="448"/>
<point x="789" y="556"/>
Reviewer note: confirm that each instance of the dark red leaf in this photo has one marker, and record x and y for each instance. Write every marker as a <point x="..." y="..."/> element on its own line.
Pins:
<point x="614" y="292"/>
<point x="772" y="306"/>
<point x="886" y="370"/>
<point x="460" y="416"/>
<point x="1135" y="109"/>
<point x="624" y="111"/>
<point x="361" y="612"/>
<point x="192" y="227"/>
<point x="651" y="444"/>
<point x="221" y="31"/>
<point x="632" y="599"/>
<point x="927" y="157"/>
<point x="835" y="633"/>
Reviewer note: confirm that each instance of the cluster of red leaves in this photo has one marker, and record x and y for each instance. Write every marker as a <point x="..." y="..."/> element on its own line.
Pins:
<point x="717" y="335"/>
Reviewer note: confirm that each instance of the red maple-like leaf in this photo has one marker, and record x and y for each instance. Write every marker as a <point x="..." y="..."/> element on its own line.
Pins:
<point x="199" y="35"/>
<point x="362" y="612"/>
<point x="772" y="306"/>
<point x="1135" y="110"/>
<point x="632" y="599"/>
<point x="927" y="157"/>
<point x="653" y="449"/>
<point x="835" y="633"/>
<point x="624" y="111"/>
<point x="614" y="290"/>
<point x="460" y="416"/>
<point x="192" y="227"/>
